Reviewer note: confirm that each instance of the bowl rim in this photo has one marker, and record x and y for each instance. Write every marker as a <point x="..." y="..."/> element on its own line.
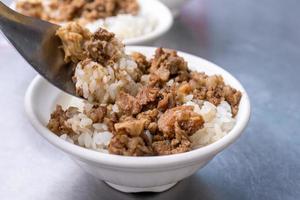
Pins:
<point x="164" y="24"/>
<point x="117" y="161"/>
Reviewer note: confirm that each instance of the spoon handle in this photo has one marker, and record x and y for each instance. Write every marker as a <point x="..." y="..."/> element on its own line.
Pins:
<point x="25" y="33"/>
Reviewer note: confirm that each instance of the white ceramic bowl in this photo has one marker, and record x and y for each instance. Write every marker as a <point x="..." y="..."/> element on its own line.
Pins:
<point x="174" y="5"/>
<point x="133" y="174"/>
<point x="155" y="9"/>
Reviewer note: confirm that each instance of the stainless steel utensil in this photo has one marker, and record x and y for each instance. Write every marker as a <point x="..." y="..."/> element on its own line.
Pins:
<point x="36" y="41"/>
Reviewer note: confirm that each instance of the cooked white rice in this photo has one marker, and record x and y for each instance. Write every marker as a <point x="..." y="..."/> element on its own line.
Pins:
<point x="218" y="122"/>
<point x="103" y="83"/>
<point x="92" y="136"/>
<point x="125" y="26"/>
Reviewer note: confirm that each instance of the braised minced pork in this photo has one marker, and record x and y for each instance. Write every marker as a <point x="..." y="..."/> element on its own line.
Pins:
<point x="76" y="10"/>
<point x="129" y="146"/>
<point x="57" y="123"/>
<point x="153" y="120"/>
<point x="181" y="118"/>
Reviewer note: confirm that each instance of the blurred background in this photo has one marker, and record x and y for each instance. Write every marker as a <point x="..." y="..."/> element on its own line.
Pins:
<point x="257" y="41"/>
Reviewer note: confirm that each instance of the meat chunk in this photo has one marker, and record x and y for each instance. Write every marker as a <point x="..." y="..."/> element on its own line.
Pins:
<point x="122" y="144"/>
<point x="57" y="123"/>
<point x="185" y="89"/>
<point x="104" y="47"/>
<point x="73" y="38"/>
<point x="141" y="61"/>
<point x="214" y="90"/>
<point x="178" y="144"/>
<point x="150" y="118"/>
<point x="233" y="97"/>
<point x="181" y="116"/>
<point x="160" y="75"/>
<point x="147" y="94"/>
<point x="128" y="104"/>
<point x="198" y="80"/>
<point x="150" y="115"/>
<point x="166" y="63"/>
<point x="96" y="113"/>
<point x="167" y="147"/>
<point x="130" y="138"/>
<point x="168" y="59"/>
<point x="110" y="124"/>
<point x="182" y="76"/>
<point x="134" y="127"/>
<point x="168" y="99"/>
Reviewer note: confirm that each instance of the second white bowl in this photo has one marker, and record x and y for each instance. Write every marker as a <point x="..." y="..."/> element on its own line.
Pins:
<point x="154" y="9"/>
<point x="174" y="5"/>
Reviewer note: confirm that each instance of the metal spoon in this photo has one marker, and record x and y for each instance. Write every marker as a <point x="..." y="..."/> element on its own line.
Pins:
<point x="36" y="41"/>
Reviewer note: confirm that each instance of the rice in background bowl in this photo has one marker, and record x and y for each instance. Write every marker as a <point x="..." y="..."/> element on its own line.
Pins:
<point x="126" y="26"/>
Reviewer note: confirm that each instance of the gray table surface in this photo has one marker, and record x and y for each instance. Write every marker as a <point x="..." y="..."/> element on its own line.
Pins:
<point x="257" y="41"/>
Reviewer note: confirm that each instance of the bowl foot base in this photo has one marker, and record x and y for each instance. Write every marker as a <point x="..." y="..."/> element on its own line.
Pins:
<point x="126" y="189"/>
